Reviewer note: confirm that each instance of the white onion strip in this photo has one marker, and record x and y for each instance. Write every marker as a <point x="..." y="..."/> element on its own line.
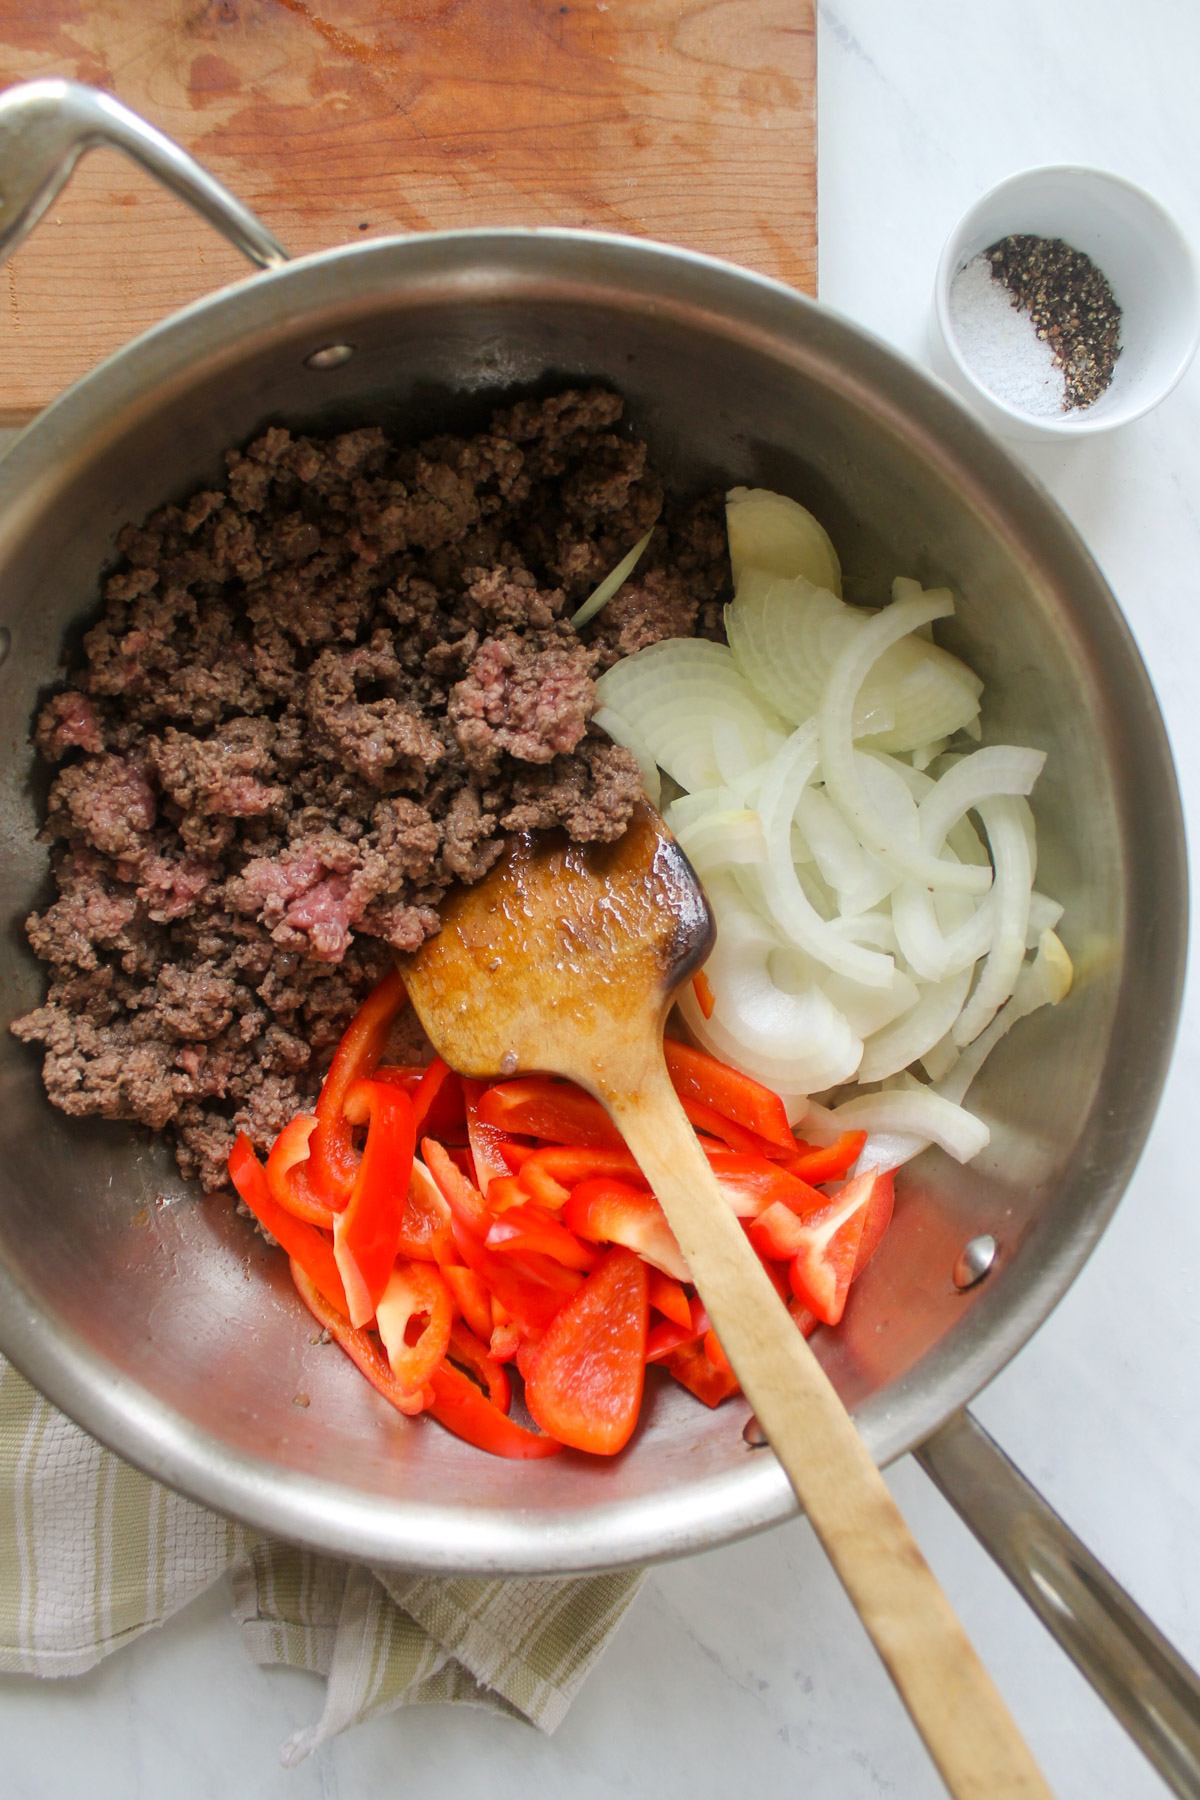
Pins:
<point x="601" y="595"/>
<point x="837" y="754"/>
<point x="1014" y="881"/>
<point x="920" y="1112"/>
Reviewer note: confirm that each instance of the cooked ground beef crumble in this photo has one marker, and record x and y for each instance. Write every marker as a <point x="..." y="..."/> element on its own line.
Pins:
<point x="314" y="700"/>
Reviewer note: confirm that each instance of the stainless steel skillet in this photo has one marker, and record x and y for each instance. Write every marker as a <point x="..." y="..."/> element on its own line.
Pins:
<point x="125" y="1298"/>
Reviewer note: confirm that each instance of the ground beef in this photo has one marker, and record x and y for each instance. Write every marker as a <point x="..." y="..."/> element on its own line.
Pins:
<point x="313" y="699"/>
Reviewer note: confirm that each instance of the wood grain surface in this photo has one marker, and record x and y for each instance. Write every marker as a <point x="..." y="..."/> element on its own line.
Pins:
<point x="687" y="120"/>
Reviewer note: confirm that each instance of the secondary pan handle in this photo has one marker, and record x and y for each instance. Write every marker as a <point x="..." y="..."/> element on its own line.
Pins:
<point x="1141" y="1678"/>
<point x="45" y="127"/>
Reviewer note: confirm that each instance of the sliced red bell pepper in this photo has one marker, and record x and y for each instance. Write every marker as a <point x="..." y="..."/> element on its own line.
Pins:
<point x="666" y="1336"/>
<point x="287" y="1173"/>
<point x="491" y="1148"/>
<point x="467" y="1351"/>
<point x="503" y="1191"/>
<point x="470" y="1296"/>
<point x="531" y="1288"/>
<point x="689" y="1365"/>
<point x="464" y="1198"/>
<point x="302" y="1242"/>
<point x="879" y="1216"/>
<point x="331" y="1148"/>
<point x="359" y="1346"/>
<point x="806" y="1321"/>
<point x="366" y="1236"/>
<point x="717" y="1356"/>
<point x="702" y="988"/>
<point x="829" y="1162"/>
<point x="458" y="1405"/>
<point x="668" y="1298"/>
<point x="698" y="1076"/>
<point x="586" y="1384"/>
<point x="528" y="1227"/>
<point x="438" y="1106"/>
<point x="569" y="1164"/>
<point x="611" y="1212"/>
<point x="752" y="1183"/>
<point x="707" y="1119"/>
<point x="415" y="1292"/>
<point x="425" y="1222"/>
<point x="505" y="1342"/>
<point x="556" y="1110"/>
<point x="827" y="1250"/>
<point x="542" y="1186"/>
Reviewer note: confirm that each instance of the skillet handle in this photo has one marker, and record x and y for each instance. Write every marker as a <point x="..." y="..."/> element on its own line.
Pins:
<point x="45" y="127"/>
<point x="1140" y="1676"/>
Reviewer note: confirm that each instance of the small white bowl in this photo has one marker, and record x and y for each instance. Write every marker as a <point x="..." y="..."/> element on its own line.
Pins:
<point x="1146" y="260"/>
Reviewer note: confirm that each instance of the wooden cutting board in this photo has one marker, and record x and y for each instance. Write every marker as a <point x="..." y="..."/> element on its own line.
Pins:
<point x="688" y="120"/>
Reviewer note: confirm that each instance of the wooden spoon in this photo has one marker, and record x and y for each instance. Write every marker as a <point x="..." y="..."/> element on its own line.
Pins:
<point x="565" y="959"/>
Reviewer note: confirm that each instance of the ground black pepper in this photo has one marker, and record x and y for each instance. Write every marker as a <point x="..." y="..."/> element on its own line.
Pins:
<point x="1071" y="305"/>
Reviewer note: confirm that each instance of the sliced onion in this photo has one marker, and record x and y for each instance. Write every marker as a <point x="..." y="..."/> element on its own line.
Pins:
<point x="859" y="880"/>
<point x="911" y="1037"/>
<point x="1043" y="982"/>
<point x="919" y="1112"/>
<point x="782" y="887"/>
<point x="601" y="595"/>
<point x="1000" y="769"/>
<point x="842" y="777"/>
<point x="721" y="838"/>
<point x="1014" y="880"/>
<point x="771" y="532"/>
<point x="622" y="732"/>
<point x="786" y="637"/>
<point x="868" y="1010"/>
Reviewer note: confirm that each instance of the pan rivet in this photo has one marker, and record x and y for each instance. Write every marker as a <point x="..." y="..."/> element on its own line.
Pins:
<point x="753" y="1434"/>
<point x="5" y="643"/>
<point x="975" y="1260"/>
<point x="330" y="356"/>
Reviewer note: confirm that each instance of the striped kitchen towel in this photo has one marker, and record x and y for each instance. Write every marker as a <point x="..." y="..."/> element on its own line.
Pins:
<point x="93" y="1553"/>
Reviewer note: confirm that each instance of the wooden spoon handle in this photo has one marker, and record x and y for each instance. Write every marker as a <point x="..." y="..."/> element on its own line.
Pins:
<point x="951" y="1698"/>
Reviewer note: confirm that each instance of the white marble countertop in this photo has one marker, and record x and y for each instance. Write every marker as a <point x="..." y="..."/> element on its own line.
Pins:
<point x="745" y="1670"/>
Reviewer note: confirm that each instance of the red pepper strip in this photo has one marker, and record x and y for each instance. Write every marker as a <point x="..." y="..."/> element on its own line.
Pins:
<point x="458" y="1405"/>
<point x="557" y="1110"/>
<point x="401" y="1075"/>
<point x="331" y="1150"/>
<point x="717" y="1356"/>
<point x="425" y="1222"/>
<point x="528" y="1227"/>
<point x="542" y="1187"/>
<point x="470" y="1296"/>
<point x="707" y="1118"/>
<point x="366" y="1236"/>
<point x="504" y="1191"/>
<point x="611" y="1212"/>
<point x="527" y="1354"/>
<point x="824" y="1249"/>
<point x="698" y="1076"/>
<point x="465" y="1200"/>
<point x="490" y="1147"/>
<point x="668" y="1298"/>
<point x="751" y="1184"/>
<point x="414" y="1291"/>
<point x="586" y="1385"/>
<point x="879" y="1216"/>
<point x="287" y="1173"/>
<point x="572" y="1163"/>
<point x="531" y="1289"/>
<point x="359" y="1346"/>
<point x="505" y="1341"/>
<point x="689" y="1365"/>
<point x="664" y="1337"/>
<point x="817" y="1163"/>
<point x="466" y="1350"/>
<point x="806" y="1322"/>
<point x="303" y="1243"/>
<point x="702" y="989"/>
<point x="428" y="1090"/>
